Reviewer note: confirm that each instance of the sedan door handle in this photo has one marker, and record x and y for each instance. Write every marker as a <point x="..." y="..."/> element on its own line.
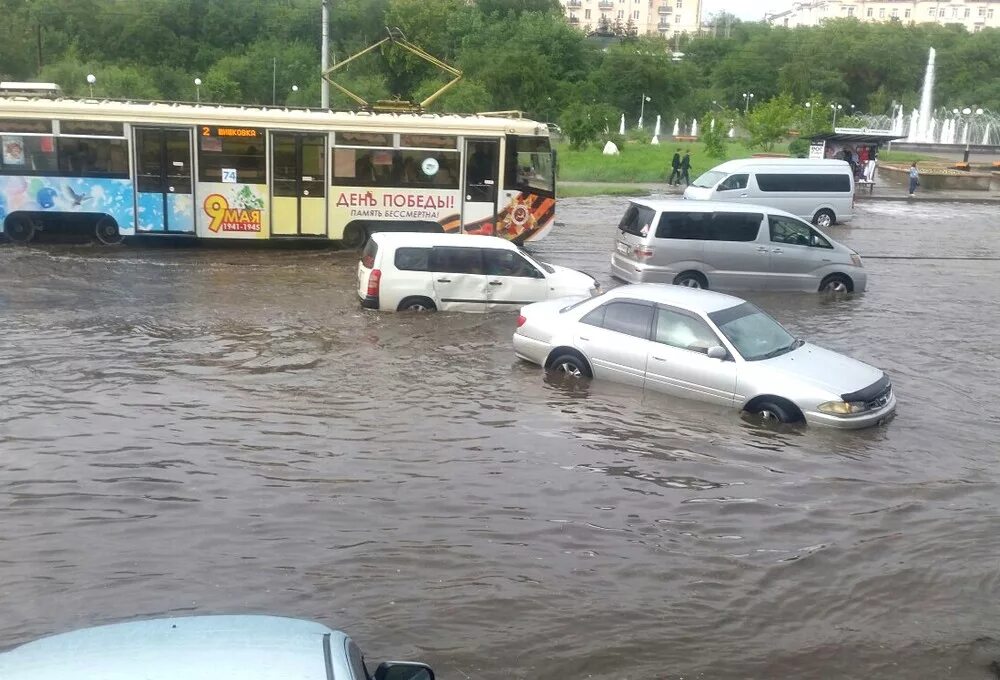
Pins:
<point x="743" y="195"/>
<point x="658" y="359"/>
<point x="496" y="283"/>
<point x="585" y="339"/>
<point x="777" y="250"/>
<point x="444" y="280"/>
<point x="762" y="249"/>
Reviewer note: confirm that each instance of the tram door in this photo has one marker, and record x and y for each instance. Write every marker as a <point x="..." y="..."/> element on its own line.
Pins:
<point x="298" y="184"/>
<point x="164" y="197"/>
<point x="482" y="172"/>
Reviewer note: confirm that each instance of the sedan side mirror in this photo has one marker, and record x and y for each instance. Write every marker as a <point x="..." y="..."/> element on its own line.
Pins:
<point x="717" y="352"/>
<point x="403" y="670"/>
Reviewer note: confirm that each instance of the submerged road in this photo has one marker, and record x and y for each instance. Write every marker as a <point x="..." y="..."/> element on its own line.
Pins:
<point x="196" y="431"/>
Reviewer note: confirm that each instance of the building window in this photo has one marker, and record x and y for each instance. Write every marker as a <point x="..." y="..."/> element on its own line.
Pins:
<point x="679" y="4"/>
<point x="895" y="14"/>
<point x="968" y="12"/>
<point x="989" y="13"/>
<point x="954" y="12"/>
<point x="586" y="14"/>
<point x="881" y="12"/>
<point x="850" y="11"/>
<point x="621" y="14"/>
<point x="982" y="11"/>
<point x="941" y="13"/>
<point x="907" y="13"/>
<point x="870" y="12"/>
<point x="635" y="14"/>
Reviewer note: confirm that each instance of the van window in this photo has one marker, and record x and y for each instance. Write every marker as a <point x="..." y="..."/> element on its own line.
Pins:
<point x="369" y="253"/>
<point x="693" y="225"/>
<point x="413" y="259"/>
<point x="735" y="226"/>
<point x="508" y="263"/>
<point x="709" y="179"/>
<point x="734" y="182"/>
<point x="795" y="233"/>
<point x="457" y="260"/>
<point x="802" y="182"/>
<point x="637" y="220"/>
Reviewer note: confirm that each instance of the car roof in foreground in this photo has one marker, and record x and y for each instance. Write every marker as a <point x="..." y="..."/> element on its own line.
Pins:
<point x="428" y="240"/>
<point x="179" y="648"/>
<point x="694" y="299"/>
<point x="832" y="164"/>
<point x="687" y="205"/>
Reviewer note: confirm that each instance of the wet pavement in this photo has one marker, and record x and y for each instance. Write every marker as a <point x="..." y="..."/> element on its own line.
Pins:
<point x="200" y="431"/>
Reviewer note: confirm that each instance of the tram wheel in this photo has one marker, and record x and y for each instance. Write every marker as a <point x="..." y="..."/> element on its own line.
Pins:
<point x="355" y="236"/>
<point x="19" y="229"/>
<point x="106" y="231"/>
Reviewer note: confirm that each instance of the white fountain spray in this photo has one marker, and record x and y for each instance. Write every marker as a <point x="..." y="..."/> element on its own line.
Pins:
<point x="924" y="130"/>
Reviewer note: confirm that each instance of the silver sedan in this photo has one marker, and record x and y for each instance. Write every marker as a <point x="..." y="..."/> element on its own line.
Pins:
<point x="703" y="345"/>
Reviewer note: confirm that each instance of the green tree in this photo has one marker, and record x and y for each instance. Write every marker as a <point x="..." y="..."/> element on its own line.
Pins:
<point x="768" y="122"/>
<point x="715" y="137"/>
<point x="583" y="124"/>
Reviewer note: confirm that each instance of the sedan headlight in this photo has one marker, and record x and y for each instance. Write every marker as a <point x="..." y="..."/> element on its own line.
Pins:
<point x="841" y="408"/>
<point x="856" y="260"/>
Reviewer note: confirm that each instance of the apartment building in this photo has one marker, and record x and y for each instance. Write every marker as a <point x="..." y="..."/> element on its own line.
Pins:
<point x="656" y="17"/>
<point x="975" y="15"/>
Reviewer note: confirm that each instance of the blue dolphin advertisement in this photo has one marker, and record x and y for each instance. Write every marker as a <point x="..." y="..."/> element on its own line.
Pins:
<point x="114" y="197"/>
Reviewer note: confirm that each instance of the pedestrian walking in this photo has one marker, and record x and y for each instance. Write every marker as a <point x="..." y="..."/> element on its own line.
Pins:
<point x="675" y="164"/>
<point x="914" y="178"/>
<point x="686" y="168"/>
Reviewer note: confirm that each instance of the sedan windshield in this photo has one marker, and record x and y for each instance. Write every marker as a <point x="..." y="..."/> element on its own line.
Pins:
<point x="755" y="335"/>
<point x="709" y="179"/>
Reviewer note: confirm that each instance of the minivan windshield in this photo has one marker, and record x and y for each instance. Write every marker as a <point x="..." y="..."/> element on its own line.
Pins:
<point x="709" y="179"/>
<point x="755" y="335"/>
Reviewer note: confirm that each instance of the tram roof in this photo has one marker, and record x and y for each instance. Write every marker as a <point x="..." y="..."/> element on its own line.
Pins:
<point x="177" y="113"/>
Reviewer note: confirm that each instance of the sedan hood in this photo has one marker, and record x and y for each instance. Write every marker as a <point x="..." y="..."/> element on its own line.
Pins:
<point x="824" y="369"/>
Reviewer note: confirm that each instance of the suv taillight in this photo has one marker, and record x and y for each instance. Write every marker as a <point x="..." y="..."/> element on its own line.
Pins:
<point x="521" y="320"/>
<point x="373" y="280"/>
<point x="643" y="252"/>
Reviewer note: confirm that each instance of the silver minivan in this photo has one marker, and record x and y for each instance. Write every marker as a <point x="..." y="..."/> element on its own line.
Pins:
<point x="710" y="244"/>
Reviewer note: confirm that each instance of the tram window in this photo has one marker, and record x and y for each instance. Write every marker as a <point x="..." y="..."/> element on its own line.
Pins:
<point x="429" y="141"/>
<point x="430" y="169"/>
<point x="348" y="138"/>
<point x="27" y="155"/>
<point x="92" y="127"/>
<point x="246" y="155"/>
<point x="93" y="157"/>
<point x="529" y="163"/>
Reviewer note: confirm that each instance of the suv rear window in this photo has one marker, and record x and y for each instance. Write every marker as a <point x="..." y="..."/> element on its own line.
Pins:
<point x="413" y="259"/>
<point x="369" y="253"/>
<point x="637" y="220"/>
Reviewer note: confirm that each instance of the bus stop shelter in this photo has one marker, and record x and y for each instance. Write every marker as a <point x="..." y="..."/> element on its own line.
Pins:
<point x="858" y="146"/>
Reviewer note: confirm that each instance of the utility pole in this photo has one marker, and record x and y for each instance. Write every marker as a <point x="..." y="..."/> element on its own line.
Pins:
<point x="324" y="86"/>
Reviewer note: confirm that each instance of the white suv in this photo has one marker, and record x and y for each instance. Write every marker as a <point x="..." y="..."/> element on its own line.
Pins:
<point x="458" y="272"/>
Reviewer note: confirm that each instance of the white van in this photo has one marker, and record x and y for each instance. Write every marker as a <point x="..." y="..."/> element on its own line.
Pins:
<point x="458" y="272"/>
<point x="818" y="190"/>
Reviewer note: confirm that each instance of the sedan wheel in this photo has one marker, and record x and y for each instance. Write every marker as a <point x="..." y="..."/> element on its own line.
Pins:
<point x="771" y="413"/>
<point x="570" y="365"/>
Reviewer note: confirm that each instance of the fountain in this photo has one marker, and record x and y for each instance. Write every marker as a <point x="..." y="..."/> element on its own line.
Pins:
<point x="694" y="127"/>
<point x="656" y="131"/>
<point x="925" y="133"/>
<point x="621" y="126"/>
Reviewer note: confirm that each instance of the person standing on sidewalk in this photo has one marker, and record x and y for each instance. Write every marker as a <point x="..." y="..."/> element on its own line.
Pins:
<point x="914" y="178"/>
<point x="686" y="168"/>
<point x="675" y="164"/>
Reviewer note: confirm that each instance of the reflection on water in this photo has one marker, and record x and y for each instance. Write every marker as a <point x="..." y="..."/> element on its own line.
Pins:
<point x="206" y="431"/>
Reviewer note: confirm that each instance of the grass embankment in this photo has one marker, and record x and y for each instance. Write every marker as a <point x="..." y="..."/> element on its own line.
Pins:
<point x="645" y="163"/>
<point x="636" y="163"/>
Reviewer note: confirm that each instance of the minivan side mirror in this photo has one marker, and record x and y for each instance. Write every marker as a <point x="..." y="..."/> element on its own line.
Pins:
<point x="717" y="352"/>
<point x="403" y="670"/>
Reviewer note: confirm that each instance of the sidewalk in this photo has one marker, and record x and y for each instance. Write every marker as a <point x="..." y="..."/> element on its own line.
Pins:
<point x="883" y="192"/>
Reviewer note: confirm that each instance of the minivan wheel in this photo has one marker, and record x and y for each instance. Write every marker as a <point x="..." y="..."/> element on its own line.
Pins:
<point x="416" y="304"/>
<point x="824" y="218"/>
<point x="570" y="365"/>
<point x="836" y="283"/>
<point x="691" y="280"/>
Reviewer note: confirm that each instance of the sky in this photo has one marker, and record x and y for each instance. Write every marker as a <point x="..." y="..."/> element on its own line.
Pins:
<point x="745" y="9"/>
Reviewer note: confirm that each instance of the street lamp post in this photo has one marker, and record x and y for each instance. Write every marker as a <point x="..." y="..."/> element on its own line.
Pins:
<point x="747" y="98"/>
<point x="197" y="89"/>
<point x="91" y="79"/>
<point x="836" y="107"/>
<point x="810" y="107"/>
<point x="642" y="108"/>
<point x="967" y="118"/>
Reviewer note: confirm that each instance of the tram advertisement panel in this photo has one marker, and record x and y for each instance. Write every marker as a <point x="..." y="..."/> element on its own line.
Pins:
<point x="348" y="204"/>
<point x="228" y="210"/>
<point x="112" y="197"/>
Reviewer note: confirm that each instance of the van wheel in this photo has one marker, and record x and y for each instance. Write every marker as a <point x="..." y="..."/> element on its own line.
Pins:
<point x="106" y="231"/>
<point x="355" y="236"/>
<point x="836" y="283"/>
<point x="824" y="218"/>
<point x="416" y="304"/>
<point x="19" y="229"/>
<point x="691" y="280"/>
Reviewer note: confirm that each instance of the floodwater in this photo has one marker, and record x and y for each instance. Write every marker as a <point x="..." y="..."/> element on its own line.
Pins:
<point x="204" y="431"/>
